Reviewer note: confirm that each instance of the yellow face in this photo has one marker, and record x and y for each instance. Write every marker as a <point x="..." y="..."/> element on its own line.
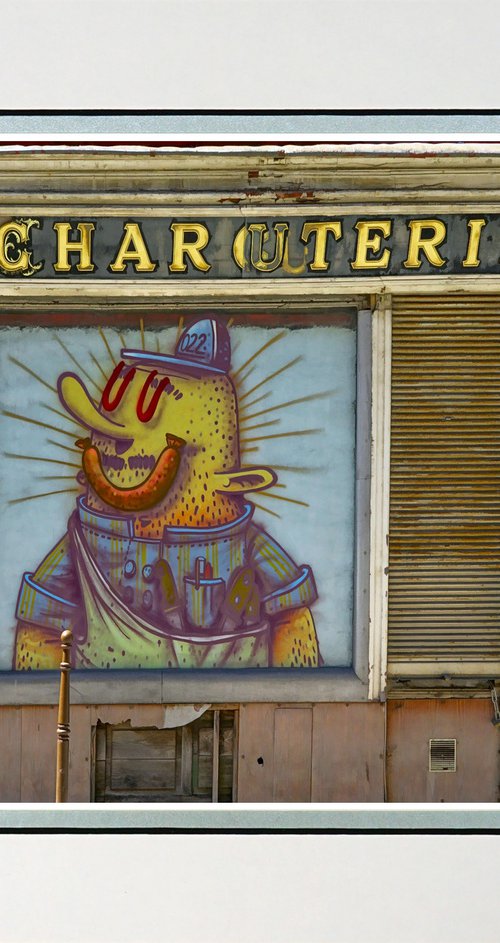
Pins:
<point x="141" y="424"/>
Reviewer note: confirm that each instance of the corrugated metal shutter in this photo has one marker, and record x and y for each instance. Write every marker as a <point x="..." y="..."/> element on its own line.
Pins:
<point x="444" y="573"/>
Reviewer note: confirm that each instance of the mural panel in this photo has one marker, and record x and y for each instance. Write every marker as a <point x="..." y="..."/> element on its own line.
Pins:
<point x="181" y="497"/>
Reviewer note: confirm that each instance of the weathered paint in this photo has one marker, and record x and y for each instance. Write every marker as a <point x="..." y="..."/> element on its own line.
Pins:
<point x="235" y="246"/>
<point x="286" y="753"/>
<point x="337" y="751"/>
<point x="412" y="723"/>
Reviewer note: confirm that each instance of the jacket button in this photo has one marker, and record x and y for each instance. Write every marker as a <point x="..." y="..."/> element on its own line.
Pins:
<point x="147" y="599"/>
<point x="129" y="568"/>
<point x="147" y="572"/>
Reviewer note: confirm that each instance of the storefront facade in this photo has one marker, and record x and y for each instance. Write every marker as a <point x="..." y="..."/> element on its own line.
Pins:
<point x="251" y="406"/>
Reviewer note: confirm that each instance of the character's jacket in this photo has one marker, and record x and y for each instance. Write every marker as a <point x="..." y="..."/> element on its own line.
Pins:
<point x="137" y="603"/>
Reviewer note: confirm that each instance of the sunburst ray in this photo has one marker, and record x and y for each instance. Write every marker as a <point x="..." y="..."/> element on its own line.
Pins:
<point x="41" y="458"/>
<point x="299" y="469"/>
<point x="281" y="497"/>
<point x="59" y="412"/>
<point x="281" y="435"/>
<point x="141" y="325"/>
<point x="44" y="494"/>
<point x="254" y="402"/>
<point x="106" y="344"/>
<point x="269" y="343"/>
<point x="55" y="477"/>
<point x="290" y="402"/>
<point x="24" y="366"/>
<point x="240" y="381"/>
<point x="291" y="363"/>
<point x="37" y="422"/>
<point x="75" y="361"/>
<point x="62" y="445"/>
<point x="267" y="510"/>
<point x="262" y="425"/>
<point x="180" y="328"/>
<point x="101" y="370"/>
<point x="121" y="338"/>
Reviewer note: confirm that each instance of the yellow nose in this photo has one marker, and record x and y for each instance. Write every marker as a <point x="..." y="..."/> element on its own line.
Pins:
<point x="77" y="401"/>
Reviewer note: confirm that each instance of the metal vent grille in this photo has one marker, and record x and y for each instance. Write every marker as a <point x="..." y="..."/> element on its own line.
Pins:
<point x="442" y="756"/>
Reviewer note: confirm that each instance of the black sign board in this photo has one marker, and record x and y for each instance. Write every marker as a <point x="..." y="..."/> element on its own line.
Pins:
<point x="232" y="247"/>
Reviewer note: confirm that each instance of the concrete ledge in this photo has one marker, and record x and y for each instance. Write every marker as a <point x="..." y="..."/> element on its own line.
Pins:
<point x="184" y="687"/>
<point x="250" y="817"/>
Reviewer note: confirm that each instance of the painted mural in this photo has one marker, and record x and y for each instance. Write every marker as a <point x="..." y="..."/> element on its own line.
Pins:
<point x="166" y="561"/>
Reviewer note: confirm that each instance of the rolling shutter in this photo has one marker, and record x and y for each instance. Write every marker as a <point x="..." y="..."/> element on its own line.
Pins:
<point x="444" y="540"/>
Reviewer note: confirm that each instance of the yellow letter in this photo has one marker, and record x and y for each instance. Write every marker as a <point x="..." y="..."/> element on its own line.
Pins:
<point x="82" y="246"/>
<point x="319" y="263"/>
<point x="193" y="249"/>
<point x="15" y="257"/>
<point x="259" y="235"/>
<point x="475" y="226"/>
<point x="428" y="246"/>
<point x="368" y="242"/>
<point x="133" y="249"/>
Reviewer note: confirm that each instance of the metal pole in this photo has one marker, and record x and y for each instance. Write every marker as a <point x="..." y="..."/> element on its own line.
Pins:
<point x="63" y="720"/>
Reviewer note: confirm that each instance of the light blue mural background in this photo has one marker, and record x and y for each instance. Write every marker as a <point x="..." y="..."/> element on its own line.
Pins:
<point x="320" y="535"/>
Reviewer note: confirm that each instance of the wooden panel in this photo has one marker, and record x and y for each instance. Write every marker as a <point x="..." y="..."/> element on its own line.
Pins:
<point x="143" y="744"/>
<point x="292" y="754"/>
<point x="10" y="765"/>
<point x="256" y="753"/>
<point x="348" y="753"/>
<point x="142" y="759"/>
<point x="329" y="753"/>
<point x="139" y="715"/>
<point x="38" y="761"/>
<point x="411" y="724"/>
<point x="203" y="760"/>
<point x="130" y="775"/>
<point x="228" y="765"/>
<point x="80" y="767"/>
<point x="153" y="764"/>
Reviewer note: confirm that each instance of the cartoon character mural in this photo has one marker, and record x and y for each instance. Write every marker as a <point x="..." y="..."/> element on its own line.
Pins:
<point x="162" y="564"/>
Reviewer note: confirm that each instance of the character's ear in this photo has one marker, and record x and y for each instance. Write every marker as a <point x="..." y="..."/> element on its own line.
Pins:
<point x="246" y="479"/>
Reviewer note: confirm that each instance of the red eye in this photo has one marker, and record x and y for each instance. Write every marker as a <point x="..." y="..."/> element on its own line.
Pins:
<point x="111" y="403"/>
<point x="146" y="414"/>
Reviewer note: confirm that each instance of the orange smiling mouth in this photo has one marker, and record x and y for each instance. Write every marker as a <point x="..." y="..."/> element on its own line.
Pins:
<point x="144" y="495"/>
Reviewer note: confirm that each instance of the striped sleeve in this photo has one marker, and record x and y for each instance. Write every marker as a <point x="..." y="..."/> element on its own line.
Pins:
<point x="50" y="597"/>
<point x="285" y="585"/>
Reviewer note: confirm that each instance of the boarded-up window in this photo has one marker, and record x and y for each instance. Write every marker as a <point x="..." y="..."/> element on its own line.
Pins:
<point x="193" y="763"/>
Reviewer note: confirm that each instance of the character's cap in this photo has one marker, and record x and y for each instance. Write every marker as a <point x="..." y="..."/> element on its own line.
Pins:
<point x="202" y="348"/>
